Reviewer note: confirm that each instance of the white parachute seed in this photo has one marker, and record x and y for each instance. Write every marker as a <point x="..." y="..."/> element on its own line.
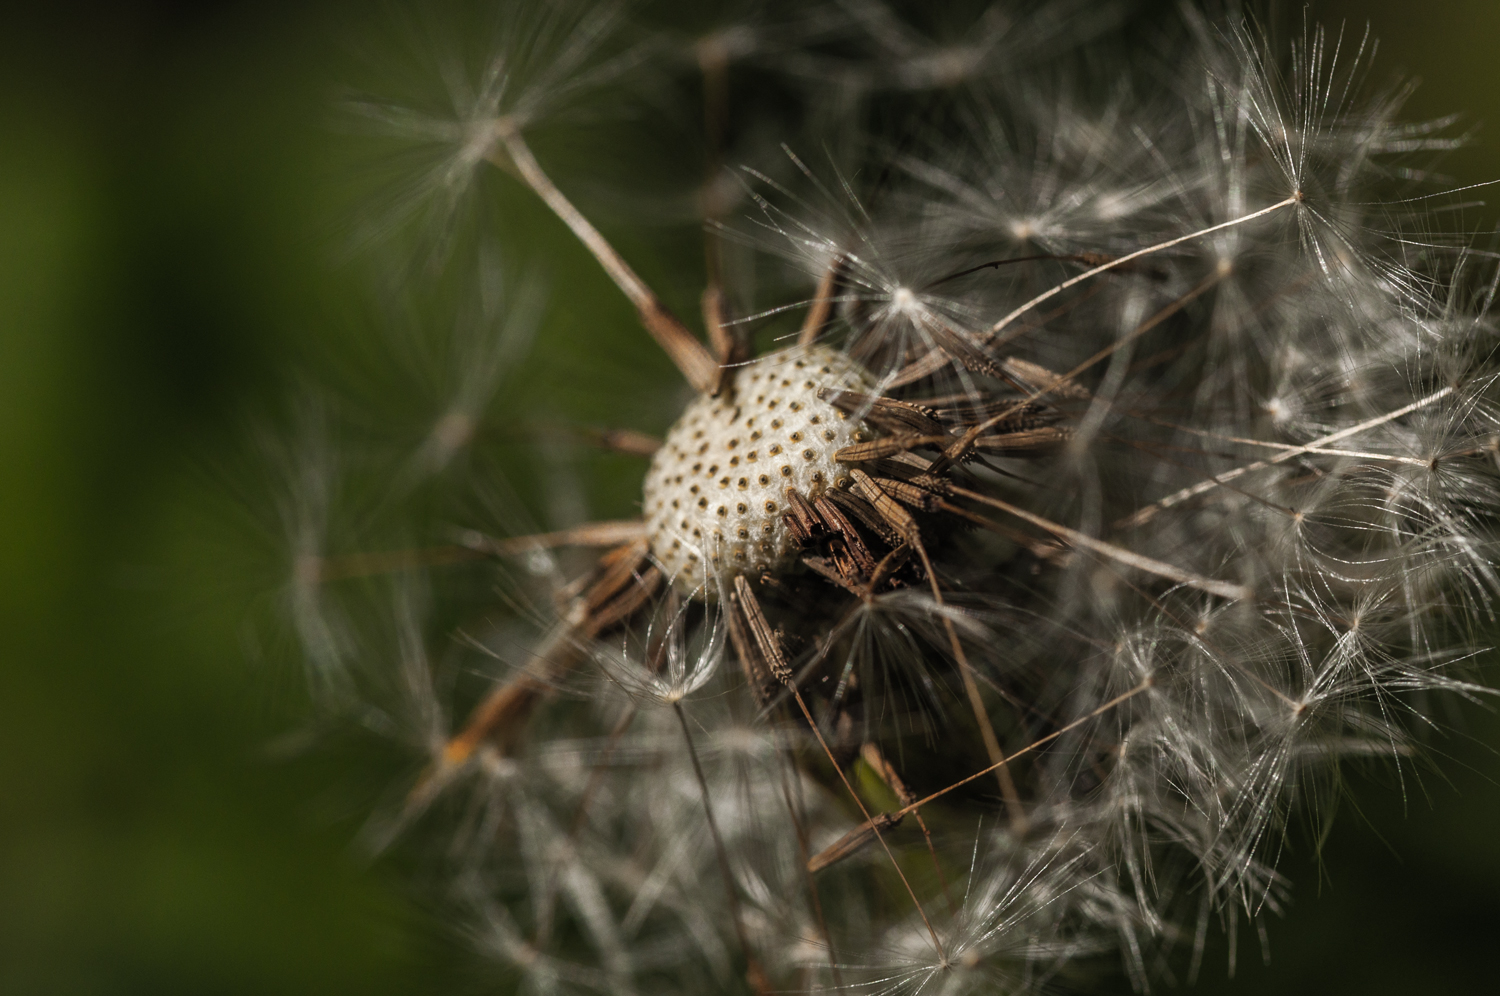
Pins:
<point x="716" y="490"/>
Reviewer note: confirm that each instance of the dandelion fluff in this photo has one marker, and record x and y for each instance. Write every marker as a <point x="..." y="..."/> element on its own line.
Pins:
<point x="1133" y="465"/>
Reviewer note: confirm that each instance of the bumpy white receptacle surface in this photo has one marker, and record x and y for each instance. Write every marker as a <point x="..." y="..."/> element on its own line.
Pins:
<point x="716" y="490"/>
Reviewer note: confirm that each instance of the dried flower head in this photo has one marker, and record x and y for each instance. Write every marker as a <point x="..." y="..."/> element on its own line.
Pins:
<point x="1135" y="460"/>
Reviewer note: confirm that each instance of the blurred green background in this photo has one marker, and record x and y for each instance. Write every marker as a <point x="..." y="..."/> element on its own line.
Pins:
<point x="165" y="172"/>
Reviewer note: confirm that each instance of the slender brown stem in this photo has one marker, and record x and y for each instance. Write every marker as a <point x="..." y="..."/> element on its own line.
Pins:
<point x="753" y="972"/>
<point x="627" y="441"/>
<point x="812" y="724"/>
<point x="1120" y="261"/>
<point x="503" y="711"/>
<point x="609" y="533"/>
<point x="474" y="546"/>
<point x="878" y="763"/>
<point x="713" y="64"/>
<point x="962" y="446"/>
<point x="1224" y="589"/>
<point x="971" y="689"/>
<point x="1267" y="444"/>
<point x="799" y="826"/>
<point x="931" y="362"/>
<point x="690" y="356"/>
<point x="1138" y="689"/>
<point x="902" y="522"/>
<point x="725" y="347"/>
<point x="782" y="671"/>
<point x="1146" y="513"/>
<point x="822" y="305"/>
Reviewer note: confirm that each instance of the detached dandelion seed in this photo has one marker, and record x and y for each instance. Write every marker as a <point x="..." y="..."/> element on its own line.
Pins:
<point x="1132" y="463"/>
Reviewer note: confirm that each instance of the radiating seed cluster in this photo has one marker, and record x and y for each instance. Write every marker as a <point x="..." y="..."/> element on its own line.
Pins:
<point x="716" y="489"/>
<point x="1193" y="453"/>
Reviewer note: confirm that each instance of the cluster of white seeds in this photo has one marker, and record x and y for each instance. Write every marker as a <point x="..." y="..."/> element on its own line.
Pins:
<point x="716" y="490"/>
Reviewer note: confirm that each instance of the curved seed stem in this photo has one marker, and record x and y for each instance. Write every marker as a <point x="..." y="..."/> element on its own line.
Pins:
<point x="692" y="359"/>
<point x="1124" y="696"/>
<point x="1224" y="589"/>
<point x="1087" y="274"/>
<point x="753" y="971"/>
<point x="1145" y="514"/>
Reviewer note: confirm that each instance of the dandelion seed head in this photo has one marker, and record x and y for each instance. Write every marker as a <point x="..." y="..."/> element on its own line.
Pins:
<point x="1177" y="486"/>
<point x="716" y="491"/>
